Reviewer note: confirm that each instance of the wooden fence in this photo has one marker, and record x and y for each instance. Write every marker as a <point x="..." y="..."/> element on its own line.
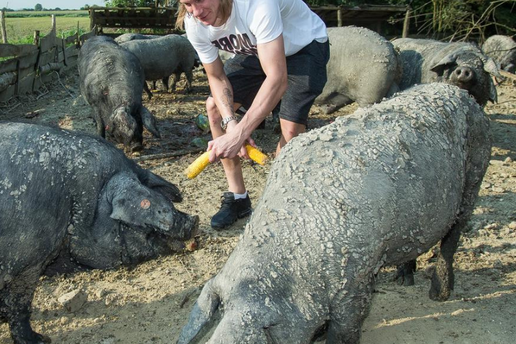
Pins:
<point x="27" y="67"/>
<point x="370" y="16"/>
<point x="133" y="18"/>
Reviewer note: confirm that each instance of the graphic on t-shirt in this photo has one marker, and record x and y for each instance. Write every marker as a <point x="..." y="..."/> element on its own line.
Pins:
<point x="236" y="44"/>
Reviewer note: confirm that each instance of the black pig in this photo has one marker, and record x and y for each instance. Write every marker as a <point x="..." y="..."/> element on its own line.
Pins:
<point x="112" y="81"/>
<point x="65" y="194"/>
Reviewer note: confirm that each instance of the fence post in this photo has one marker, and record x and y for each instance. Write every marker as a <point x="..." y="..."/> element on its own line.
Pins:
<point x="36" y="37"/>
<point x="54" y="22"/>
<point x="4" y="32"/>
<point x="406" y="23"/>
<point x="92" y="18"/>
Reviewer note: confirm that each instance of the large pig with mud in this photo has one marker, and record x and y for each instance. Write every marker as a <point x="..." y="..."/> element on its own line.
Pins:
<point x="375" y="188"/>
<point x="457" y="63"/>
<point x="502" y="49"/>
<point x="111" y="81"/>
<point x="68" y="196"/>
<point x="363" y="67"/>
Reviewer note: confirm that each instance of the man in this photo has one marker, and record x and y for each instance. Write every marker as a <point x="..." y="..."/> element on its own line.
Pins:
<point x="287" y="51"/>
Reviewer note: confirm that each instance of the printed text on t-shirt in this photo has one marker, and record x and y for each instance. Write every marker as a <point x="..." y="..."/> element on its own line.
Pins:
<point x="236" y="44"/>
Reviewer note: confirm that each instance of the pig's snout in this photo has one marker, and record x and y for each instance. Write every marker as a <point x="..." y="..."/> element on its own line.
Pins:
<point x="463" y="74"/>
<point x="195" y="226"/>
<point x="185" y="226"/>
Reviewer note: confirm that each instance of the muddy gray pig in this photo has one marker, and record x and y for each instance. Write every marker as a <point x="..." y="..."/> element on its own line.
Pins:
<point x="165" y="56"/>
<point x="363" y="67"/>
<point x="458" y="63"/>
<point x="375" y="188"/>
<point x="74" y="195"/>
<point x="126" y="37"/>
<point x="111" y="81"/>
<point x="502" y="49"/>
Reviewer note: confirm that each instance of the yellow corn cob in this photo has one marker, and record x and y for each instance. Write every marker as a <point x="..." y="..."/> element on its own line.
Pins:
<point x="198" y="165"/>
<point x="256" y="155"/>
<point x="201" y="162"/>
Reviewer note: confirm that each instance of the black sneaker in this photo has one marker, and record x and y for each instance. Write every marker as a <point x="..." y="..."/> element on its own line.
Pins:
<point x="231" y="210"/>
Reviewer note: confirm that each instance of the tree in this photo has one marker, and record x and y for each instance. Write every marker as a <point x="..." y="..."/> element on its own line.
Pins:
<point x="38" y="7"/>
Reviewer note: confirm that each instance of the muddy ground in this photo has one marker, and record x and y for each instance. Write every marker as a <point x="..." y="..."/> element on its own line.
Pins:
<point x="150" y="303"/>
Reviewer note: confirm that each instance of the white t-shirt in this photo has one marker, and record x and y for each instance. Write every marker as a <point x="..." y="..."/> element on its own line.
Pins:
<point x="255" y="22"/>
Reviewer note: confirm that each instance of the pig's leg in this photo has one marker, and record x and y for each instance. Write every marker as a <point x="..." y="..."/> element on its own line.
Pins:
<point x="189" y="78"/>
<point x="405" y="273"/>
<point x="146" y="89"/>
<point x="18" y="301"/>
<point x="165" y="83"/>
<point x="101" y="129"/>
<point x="443" y="277"/>
<point x="348" y="314"/>
<point x="175" y="78"/>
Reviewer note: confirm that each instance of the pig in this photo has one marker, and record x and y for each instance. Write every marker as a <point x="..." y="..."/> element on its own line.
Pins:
<point x="502" y="49"/>
<point x="458" y="63"/>
<point x="111" y="81"/>
<point x="70" y="194"/>
<point x="126" y="37"/>
<point x="364" y="67"/>
<point x="375" y="188"/>
<point x="165" y="56"/>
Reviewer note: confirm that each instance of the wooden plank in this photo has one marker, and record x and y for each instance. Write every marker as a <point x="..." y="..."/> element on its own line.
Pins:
<point x="47" y="57"/>
<point x="36" y="85"/>
<point x="70" y="39"/>
<point x="8" y="66"/>
<point x="28" y="61"/>
<point x="7" y="94"/>
<point x="71" y="64"/>
<point x="25" y="84"/>
<point x="50" y="67"/>
<point x="47" y="42"/>
<point x="48" y="78"/>
<point x="71" y="52"/>
<point x="23" y="72"/>
<point x="86" y="36"/>
<point x="8" y="50"/>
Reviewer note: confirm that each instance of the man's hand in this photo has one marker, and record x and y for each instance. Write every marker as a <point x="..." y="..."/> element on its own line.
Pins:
<point x="229" y="145"/>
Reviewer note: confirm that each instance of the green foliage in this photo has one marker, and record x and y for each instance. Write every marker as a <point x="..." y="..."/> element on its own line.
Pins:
<point x="38" y="7"/>
<point x="449" y="19"/>
<point x="464" y="19"/>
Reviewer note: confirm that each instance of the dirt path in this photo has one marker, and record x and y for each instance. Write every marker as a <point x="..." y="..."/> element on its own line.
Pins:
<point x="151" y="303"/>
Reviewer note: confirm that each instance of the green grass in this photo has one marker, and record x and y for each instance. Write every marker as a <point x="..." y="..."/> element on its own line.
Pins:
<point x="20" y="30"/>
<point x="32" y="14"/>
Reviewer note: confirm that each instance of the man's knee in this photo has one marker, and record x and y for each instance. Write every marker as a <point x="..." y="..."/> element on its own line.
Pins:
<point x="289" y="130"/>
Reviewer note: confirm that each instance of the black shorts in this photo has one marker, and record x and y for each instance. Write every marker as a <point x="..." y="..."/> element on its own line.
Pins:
<point x="306" y="71"/>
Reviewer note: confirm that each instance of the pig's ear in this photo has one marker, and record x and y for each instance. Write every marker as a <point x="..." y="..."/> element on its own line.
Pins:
<point x="442" y="65"/>
<point x="202" y="315"/>
<point x="149" y="122"/>
<point x="167" y="189"/>
<point x="124" y="192"/>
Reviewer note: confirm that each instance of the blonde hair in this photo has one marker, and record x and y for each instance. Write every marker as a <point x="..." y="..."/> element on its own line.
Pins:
<point x="224" y="10"/>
